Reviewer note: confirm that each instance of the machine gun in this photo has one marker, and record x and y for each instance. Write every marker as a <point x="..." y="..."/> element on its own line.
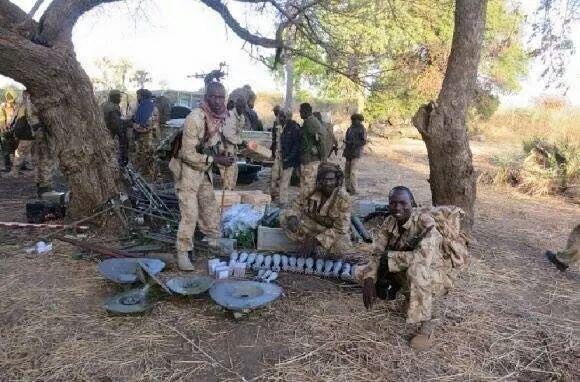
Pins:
<point x="209" y="77"/>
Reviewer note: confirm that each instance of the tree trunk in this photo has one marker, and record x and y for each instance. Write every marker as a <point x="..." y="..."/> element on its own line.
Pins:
<point x="442" y="124"/>
<point x="289" y="71"/>
<point x="65" y="102"/>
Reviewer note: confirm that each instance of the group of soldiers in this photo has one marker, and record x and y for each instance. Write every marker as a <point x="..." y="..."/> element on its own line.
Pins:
<point x="406" y="256"/>
<point x="416" y="251"/>
<point x="24" y="143"/>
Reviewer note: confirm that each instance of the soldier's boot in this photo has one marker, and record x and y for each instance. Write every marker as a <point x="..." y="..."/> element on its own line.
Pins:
<point x="183" y="261"/>
<point x="7" y="163"/>
<point x="422" y="340"/>
<point x="553" y="258"/>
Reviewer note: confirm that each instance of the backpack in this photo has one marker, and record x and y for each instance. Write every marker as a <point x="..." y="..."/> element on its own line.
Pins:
<point x="455" y="243"/>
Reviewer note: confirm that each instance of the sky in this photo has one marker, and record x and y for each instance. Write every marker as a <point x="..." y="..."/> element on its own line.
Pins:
<point x="174" y="38"/>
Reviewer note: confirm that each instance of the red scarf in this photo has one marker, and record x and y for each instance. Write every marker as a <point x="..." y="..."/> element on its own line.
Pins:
<point x="214" y="120"/>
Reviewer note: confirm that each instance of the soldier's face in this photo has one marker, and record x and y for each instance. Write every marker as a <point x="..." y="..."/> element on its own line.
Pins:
<point x="328" y="183"/>
<point x="216" y="98"/>
<point x="240" y="106"/>
<point x="400" y="206"/>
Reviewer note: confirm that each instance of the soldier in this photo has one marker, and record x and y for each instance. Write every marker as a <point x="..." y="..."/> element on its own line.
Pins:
<point x="569" y="256"/>
<point x="146" y="130"/>
<point x="23" y="135"/>
<point x="191" y="168"/>
<point x="330" y="143"/>
<point x="254" y="121"/>
<point x="321" y="221"/>
<point x="311" y="150"/>
<point x="231" y="136"/>
<point x="355" y="139"/>
<point x="8" y="113"/>
<point x="41" y="152"/>
<point x="286" y="156"/>
<point x="112" y="114"/>
<point x="408" y="250"/>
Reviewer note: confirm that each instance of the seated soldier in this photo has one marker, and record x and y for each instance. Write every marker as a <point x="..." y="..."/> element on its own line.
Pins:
<point x="410" y="251"/>
<point x="321" y="221"/>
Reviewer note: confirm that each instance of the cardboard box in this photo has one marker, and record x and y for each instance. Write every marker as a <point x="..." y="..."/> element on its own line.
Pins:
<point x="274" y="239"/>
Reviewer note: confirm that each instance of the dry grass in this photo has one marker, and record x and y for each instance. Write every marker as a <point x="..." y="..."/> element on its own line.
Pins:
<point x="511" y="316"/>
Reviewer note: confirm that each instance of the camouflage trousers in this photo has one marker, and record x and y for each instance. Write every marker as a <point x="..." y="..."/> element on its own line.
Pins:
<point x="280" y="182"/>
<point x="308" y="178"/>
<point x="197" y="205"/>
<point x="44" y="162"/>
<point x="350" y="175"/>
<point x="144" y="156"/>
<point x="21" y="156"/>
<point x="229" y="176"/>
<point x="423" y="273"/>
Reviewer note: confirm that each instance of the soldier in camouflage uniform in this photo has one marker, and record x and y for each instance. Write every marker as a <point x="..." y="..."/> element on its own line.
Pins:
<point x="233" y="127"/>
<point x="321" y="221"/>
<point x="8" y="111"/>
<point x="146" y="131"/>
<point x="311" y="150"/>
<point x="22" y="155"/>
<point x="409" y="252"/>
<point x="191" y="168"/>
<point x="286" y="152"/>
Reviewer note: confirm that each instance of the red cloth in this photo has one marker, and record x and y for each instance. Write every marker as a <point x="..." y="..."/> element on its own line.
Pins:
<point x="214" y="120"/>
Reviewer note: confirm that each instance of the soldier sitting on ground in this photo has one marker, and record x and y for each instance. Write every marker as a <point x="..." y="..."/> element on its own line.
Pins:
<point x="321" y="220"/>
<point x="418" y="251"/>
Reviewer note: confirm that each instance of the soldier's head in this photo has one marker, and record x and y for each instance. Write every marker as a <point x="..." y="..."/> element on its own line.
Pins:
<point x="143" y="94"/>
<point x="240" y="105"/>
<point x="251" y="96"/>
<point x="230" y="105"/>
<point x="305" y="110"/>
<point x="115" y="96"/>
<point x="276" y="110"/>
<point x="357" y="119"/>
<point x="401" y="203"/>
<point x="215" y="96"/>
<point x="328" y="178"/>
<point x="283" y="116"/>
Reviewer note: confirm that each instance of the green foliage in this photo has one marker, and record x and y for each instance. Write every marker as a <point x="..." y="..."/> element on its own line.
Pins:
<point x="400" y="49"/>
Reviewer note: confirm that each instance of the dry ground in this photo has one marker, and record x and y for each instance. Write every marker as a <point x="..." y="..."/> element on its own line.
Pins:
<point x="512" y="317"/>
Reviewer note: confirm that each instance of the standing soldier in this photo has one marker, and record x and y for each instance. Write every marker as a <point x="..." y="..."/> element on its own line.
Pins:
<point x="191" y="168"/>
<point x="231" y="135"/>
<point x="311" y="149"/>
<point x="355" y="139"/>
<point x="41" y="152"/>
<point x="286" y="149"/>
<point x="330" y="143"/>
<point x="23" y="136"/>
<point x="8" y="111"/>
<point x="146" y="129"/>
<point x="113" y="121"/>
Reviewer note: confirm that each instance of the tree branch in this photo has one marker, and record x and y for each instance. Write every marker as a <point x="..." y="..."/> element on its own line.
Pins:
<point x="61" y="15"/>
<point x="242" y="32"/>
<point x="13" y="18"/>
<point x="34" y="8"/>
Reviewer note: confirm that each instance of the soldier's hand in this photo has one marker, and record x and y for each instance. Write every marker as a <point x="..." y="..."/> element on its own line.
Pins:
<point x="293" y="223"/>
<point x="309" y="248"/>
<point x="369" y="292"/>
<point x="224" y="160"/>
